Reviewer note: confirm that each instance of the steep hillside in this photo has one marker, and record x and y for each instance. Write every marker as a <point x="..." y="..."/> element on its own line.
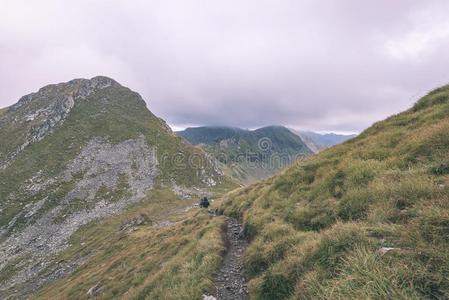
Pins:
<point x="77" y="152"/>
<point x="367" y="219"/>
<point x="162" y="248"/>
<point x="249" y="155"/>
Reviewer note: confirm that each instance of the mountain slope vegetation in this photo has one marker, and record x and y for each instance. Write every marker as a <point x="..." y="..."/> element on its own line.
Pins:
<point x="249" y="155"/>
<point x="74" y="153"/>
<point x="162" y="248"/>
<point x="367" y="219"/>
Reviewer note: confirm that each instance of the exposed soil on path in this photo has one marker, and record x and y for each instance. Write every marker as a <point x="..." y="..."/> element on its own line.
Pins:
<point x="230" y="281"/>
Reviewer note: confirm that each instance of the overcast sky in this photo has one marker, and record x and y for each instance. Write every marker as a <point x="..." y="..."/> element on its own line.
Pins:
<point x="321" y="65"/>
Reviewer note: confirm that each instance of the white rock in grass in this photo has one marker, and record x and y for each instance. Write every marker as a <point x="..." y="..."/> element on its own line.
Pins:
<point x="385" y="250"/>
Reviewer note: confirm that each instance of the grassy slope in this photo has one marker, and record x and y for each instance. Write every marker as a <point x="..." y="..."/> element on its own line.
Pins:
<point x="172" y="262"/>
<point x="316" y="229"/>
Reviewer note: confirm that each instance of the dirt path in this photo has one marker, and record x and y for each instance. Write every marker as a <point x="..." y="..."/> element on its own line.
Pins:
<point x="229" y="281"/>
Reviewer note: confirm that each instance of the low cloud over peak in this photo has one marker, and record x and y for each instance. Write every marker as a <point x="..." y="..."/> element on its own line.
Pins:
<point x="322" y="65"/>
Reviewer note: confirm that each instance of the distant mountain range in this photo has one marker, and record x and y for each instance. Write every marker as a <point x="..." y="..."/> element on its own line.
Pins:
<point x="250" y="155"/>
<point x="317" y="141"/>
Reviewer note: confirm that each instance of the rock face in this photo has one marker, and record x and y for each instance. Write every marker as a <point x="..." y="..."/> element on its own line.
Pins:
<point x="102" y="166"/>
<point x="39" y="113"/>
<point x="103" y="163"/>
<point x="75" y="153"/>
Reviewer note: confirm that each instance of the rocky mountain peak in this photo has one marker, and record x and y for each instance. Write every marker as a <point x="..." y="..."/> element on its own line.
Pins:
<point x="42" y="111"/>
<point x="85" y="87"/>
<point x="77" y="153"/>
<point x="77" y="88"/>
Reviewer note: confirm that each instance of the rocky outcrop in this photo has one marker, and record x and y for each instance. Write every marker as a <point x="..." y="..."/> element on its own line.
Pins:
<point x="141" y="219"/>
<point x="113" y="177"/>
<point x="55" y="103"/>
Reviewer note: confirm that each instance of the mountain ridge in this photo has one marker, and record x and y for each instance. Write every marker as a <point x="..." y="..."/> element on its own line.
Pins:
<point x="249" y="155"/>
<point x="79" y="152"/>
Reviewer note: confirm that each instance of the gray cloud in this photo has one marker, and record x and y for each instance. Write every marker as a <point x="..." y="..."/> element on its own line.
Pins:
<point x="322" y="65"/>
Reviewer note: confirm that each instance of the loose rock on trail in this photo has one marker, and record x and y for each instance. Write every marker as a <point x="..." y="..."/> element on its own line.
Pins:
<point x="230" y="282"/>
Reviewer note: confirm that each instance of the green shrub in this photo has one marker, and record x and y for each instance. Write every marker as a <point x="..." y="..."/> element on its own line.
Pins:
<point x="432" y="99"/>
<point x="335" y="244"/>
<point x="249" y="230"/>
<point x="426" y="271"/>
<point x="310" y="173"/>
<point x="434" y="228"/>
<point x="363" y="274"/>
<point x="254" y="261"/>
<point x="336" y="184"/>
<point x="275" y="286"/>
<point x="362" y="172"/>
<point x="410" y="190"/>
<point x="311" y="218"/>
<point x="354" y="205"/>
<point x="283" y="187"/>
<point x="441" y="169"/>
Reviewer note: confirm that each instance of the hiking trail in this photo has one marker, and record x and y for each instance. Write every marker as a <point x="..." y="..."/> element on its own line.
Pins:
<point x="230" y="282"/>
